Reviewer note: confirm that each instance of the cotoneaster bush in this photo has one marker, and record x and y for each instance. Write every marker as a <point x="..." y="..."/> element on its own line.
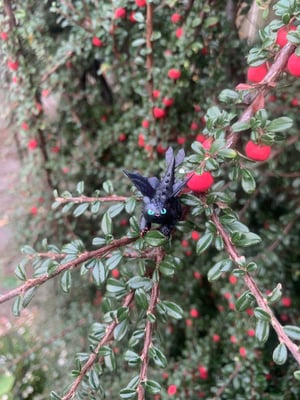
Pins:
<point x="97" y="90"/>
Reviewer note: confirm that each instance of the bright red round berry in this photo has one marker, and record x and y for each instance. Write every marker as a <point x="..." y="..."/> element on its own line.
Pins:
<point x="200" y="182"/>
<point x="257" y="152"/>
<point x="281" y="38"/>
<point x="175" y="18"/>
<point x="159" y="112"/>
<point x="120" y="13"/>
<point x="293" y="65"/>
<point x="141" y="3"/>
<point x="168" y="102"/>
<point x="97" y="42"/>
<point x="174" y="73"/>
<point x="179" y="32"/>
<point x="257" y="74"/>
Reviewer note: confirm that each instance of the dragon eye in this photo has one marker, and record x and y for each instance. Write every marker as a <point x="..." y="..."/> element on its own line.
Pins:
<point x="163" y="211"/>
<point x="150" y="212"/>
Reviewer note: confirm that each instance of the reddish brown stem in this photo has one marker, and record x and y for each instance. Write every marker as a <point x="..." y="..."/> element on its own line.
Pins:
<point x="64" y="267"/>
<point x="250" y="283"/>
<point x="86" y="199"/>
<point x="93" y="356"/>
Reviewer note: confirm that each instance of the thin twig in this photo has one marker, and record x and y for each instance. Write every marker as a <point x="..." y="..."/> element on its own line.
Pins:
<point x="30" y="283"/>
<point x="251" y="284"/>
<point x="86" y="199"/>
<point x="149" y="330"/>
<point x="93" y="356"/>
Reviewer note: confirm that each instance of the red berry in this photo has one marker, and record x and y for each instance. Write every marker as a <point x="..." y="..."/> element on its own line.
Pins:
<point x="122" y="137"/>
<point x="141" y="140"/>
<point x="257" y="74"/>
<point x="243" y="352"/>
<point x="203" y="373"/>
<point x="12" y="65"/>
<point x="181" y="140"/>
<point x="156" y="93"/>
<point x="257" y="152"/>
<point x="216" y="338"/>
<point x="120" y="13"/>
<point x="194" y="313"/>
<point x="33" y="210"/>
<point x="174" y="73"/>
<point x="97" y="42"/>
<point x="197" y="275"/>
<point x="25" y="126"/>
<point x="233" y="339"/>
<point x="168" y="102"/>
<point x="145" y="123"/>
<point x="251" y="332"/>
<point x="175" y="18"/>
<point x="4" y="36"/>
<point x="200" y="183"/>
<point x="286" y="302"/>
<point x="281" y="38"/>
<point x="194" y="126"/>
<point x="207" y="143"/>
<point x="179" y="32"/>
<point x="195" y="235"/>
<point x="184" y="243"/>
<point x="293" y="65"/>
<point x="172" y="389"/>
<point x="295" y="102"/>
<point x="115" y="273"/>
<point x="201" y="138"/>
<point x="55" y="149"/>
<point x="32" y="144"/>
<point x="140" y="3"/>
<point x="232" y="279"/>
<point x="159" y="112"/>
<point x="132" y="17"/>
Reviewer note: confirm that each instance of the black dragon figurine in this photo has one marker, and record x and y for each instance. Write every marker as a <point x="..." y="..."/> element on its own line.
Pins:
<point x="160" y="202"/>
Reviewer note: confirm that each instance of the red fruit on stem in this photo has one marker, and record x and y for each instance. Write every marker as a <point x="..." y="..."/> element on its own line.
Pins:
<point x="159" y="112"/>
<point x="141" y="3"/>
<point x="122" y="137"/>
<point x="97" y="42"/>
<point x="168" y="102"/>
<point x="145" y="123"/>
<point x="25" y="126"/>
<point x="200" y="183"/>
<point x="32" y="144"/>
<point x="175" y="18"/>
<point x="195" y="235"/>
<point x="132" y="17"/>
<point x="120" y="13"/>
<point x="4" y="36"/>
<point x="141" y="140"/>
<point x="203" y="373"/>
<point x="257" y="152"/>
<point x="12" y="65"/>
<point x="194" y="313"/>
<point x="201" y="138"/>
<point x="181" y="140"/>
<point x="174" y="73"/>
<point x="293" y="65"/>
<point x="281" y="38"/>
<point x="156" y="93"/>
<point x="172" y="389"/>
<point x="33" y="210"/>
<point x="179" y="32"/>
<point x="257" y="74"/>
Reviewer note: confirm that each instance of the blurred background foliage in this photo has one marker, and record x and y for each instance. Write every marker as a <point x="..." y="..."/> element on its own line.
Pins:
<point x="78" y="114"/>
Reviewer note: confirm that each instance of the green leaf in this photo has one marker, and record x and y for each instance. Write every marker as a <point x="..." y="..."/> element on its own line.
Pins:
<point x="95" y="207"/>
<point x="73" y="248"/>
<point x="108" y="187"/>
<point x="80" y="187"/>
<point x="66" y="281"/>
<point x="28" y="250"/>
<point x="280" y="354"/>
<point x="94" y="380"/>
<point x="173" y="310"/>
<point x="17" y="306"/>
<point x="167" y="268"/>
<point x="292" y="331"/>
<point x="152" y="386"/>
<point x="244" y="239"/>
<point x="260" y="313"/>
<point x="297" y="375"/>
<point x="139" y="17"/>
<point x="20" y="271"/>
<point x="140" y="282"/>
<point x="244" y="301"/>
<point x="115" y="285"/>
<point x="204" y="242"/>
<point x="216" y="271"/>
<point x="155" y="36"/>
<point x="110" y="360"/>
<point x="120" y="330"/>
<point x="115" y="210"/>
<point x="227" y="95"/>
<point x="158" y="357"/>
<point x="54" y="396"/>
<point x="275" y="295"/>
<point x="106" y="224"/>
<point x="132" y="358"/>
<point x="99" y="272"/>
<point x="279" y="124"/>
<point x="141" y="298"/>
<point x="28" y="296"/>
<point x="130" y="205"/>
<point x="128" y="393"/>
<point x="80" y="209"/>
<point x="155" y="238"/>
<point x="240" y="126"/>
<point x="114" y="260"/>
<point x="138" y="42"/>
<point x="98" y="241"/>
<point x="6" y="384"/>
<point x="248" y="182"/>
<point x="262" y="330"/>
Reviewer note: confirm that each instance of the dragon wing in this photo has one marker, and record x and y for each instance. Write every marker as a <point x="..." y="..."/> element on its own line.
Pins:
<point x="141" y="183"/>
